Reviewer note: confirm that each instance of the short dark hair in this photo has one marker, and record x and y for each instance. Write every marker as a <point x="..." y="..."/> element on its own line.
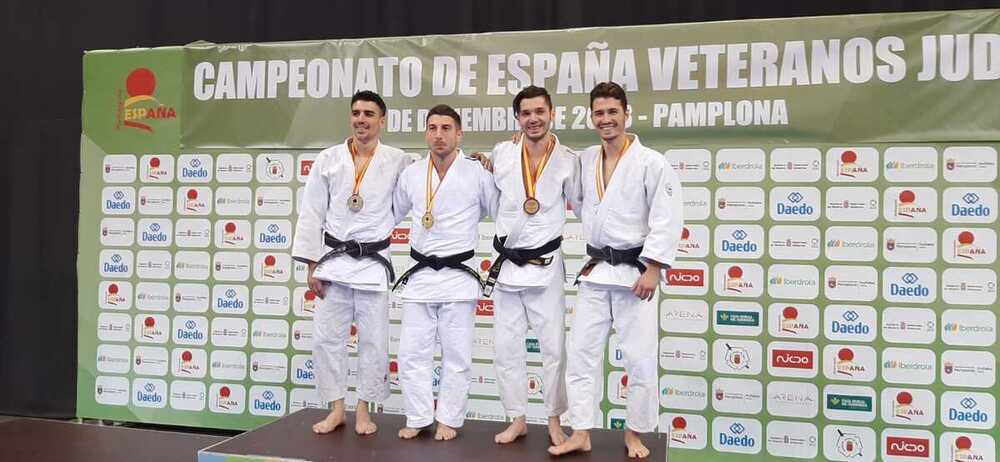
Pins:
<point x="444" y="110"/>
<point x="531" y="91"/>
<point x="367" y="95"/>
<point x="609" y="90"/>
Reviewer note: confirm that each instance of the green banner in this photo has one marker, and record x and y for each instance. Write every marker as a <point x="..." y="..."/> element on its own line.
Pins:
<point x="836" y="292"/>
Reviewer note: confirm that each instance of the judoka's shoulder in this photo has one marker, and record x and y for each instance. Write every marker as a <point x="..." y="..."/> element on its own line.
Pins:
<point x="414" y="168"/>
<point x="330" y="153"/>
<point x="392" y="151"/>
<point x="504" y="146"/>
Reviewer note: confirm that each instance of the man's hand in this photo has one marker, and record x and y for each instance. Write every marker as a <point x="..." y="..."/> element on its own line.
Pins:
<point x="317" y="286"/>
<point x="485" y="161"/>
<point x="645" y="287"/>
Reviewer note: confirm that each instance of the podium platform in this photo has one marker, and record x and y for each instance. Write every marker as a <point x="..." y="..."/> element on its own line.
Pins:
<point x="291" y="439"/>
<point x="54" y="441"/>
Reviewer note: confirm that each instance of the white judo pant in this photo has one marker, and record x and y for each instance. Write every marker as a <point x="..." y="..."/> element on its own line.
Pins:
<point x="453" y="323"/>
<point x="598" y="308"/>
<point x="369" y="310"/>
<point x="544" y="310"/>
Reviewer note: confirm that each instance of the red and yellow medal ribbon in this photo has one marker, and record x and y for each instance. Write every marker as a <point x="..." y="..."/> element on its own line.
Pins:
<point x="529" y="179"/>
<point x="600" y="167"/>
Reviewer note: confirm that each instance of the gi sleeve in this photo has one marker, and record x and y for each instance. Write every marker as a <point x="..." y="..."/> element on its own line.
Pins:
<point x="308" y="245"/>
<point x="401" y="203"/>
<point x="489" y="194"/>
<point x="573" y="187"/>
<point x="666" y="212"/>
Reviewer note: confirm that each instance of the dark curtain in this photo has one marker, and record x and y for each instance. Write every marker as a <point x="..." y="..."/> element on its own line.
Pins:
<point x="41" y="77"/>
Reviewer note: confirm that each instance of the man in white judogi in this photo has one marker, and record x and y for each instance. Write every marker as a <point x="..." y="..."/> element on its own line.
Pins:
<point x="535" y="175"/>
<point x="342" y="234"/>
<point x="632" y="220"/>
<point x="448" y="195"/>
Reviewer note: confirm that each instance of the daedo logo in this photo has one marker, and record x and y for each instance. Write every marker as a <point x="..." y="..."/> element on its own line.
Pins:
<point x="141" y="108"/>
<point x="194" y="170"/>
<point x="272" y="235"/>
<point x="794" y="205"/>
<point x="970" y="205"/>
<point x="850" y="324"/>
<point x="738" y="243"/>
<point x="148" y="394"/>
<point x="908" y="286"/>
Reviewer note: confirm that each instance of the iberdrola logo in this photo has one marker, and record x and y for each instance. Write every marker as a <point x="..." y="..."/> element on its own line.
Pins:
<point x="140" y="108"/>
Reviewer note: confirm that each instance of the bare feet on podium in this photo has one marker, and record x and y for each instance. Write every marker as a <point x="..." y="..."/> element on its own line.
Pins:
<point x="578" y="441"/>
<point x="556" y="433"/>
<point x="634" y="444"/>
<point x="333" y="420"/>
<point x="363" y="424"/>
<point x="408" y="433"/>
<point x="517" y="429"/>
<point x="444" y="432"/>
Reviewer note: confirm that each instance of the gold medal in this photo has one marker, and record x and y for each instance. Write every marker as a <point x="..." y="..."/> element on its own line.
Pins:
<point x="427" y="220"/>
<point x="531" y="206"/>
<point x="355" y="203"/>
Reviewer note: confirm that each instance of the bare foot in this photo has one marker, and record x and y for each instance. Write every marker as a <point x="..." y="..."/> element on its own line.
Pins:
<point x="333" y="420"/>
<point x="556" y="434"/>
<point x="408" y="433"/>
<point x="579" y="441"/>
<point x="634" y="444"/>
<point x="517" y="429"/>
<point x="363" y="424"/>
<point x="444" y="432"/>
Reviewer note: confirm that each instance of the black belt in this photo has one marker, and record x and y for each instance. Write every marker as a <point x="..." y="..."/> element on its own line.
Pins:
<point x="613" y="257"/>
<point x="358" y="250"/>
<point x="519" y="257"/>
<point x="435" y="263"/>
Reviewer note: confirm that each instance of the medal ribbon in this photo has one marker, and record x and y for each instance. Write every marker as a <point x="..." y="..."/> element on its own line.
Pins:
<point x="429" y="197"/>
<point x="529" y="179"/>
<point x="359" y="173"/>
<point x="600" y="168"/>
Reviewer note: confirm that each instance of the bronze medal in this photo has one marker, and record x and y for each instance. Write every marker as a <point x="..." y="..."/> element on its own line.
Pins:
<point x="427" y="220"/>
<point x="531" y="206"/>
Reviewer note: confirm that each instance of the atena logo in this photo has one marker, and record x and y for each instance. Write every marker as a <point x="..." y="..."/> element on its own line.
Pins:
<point x="792" y="399"/>
<point x="684" y="316"/>
<point x="968" y="410"/>
<point x="908" y="406"/>
<point x="970" y="205"/>
<point x="794" y="204"/>
<point x="140" y="108"/>
<point x="736" y="435"/>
